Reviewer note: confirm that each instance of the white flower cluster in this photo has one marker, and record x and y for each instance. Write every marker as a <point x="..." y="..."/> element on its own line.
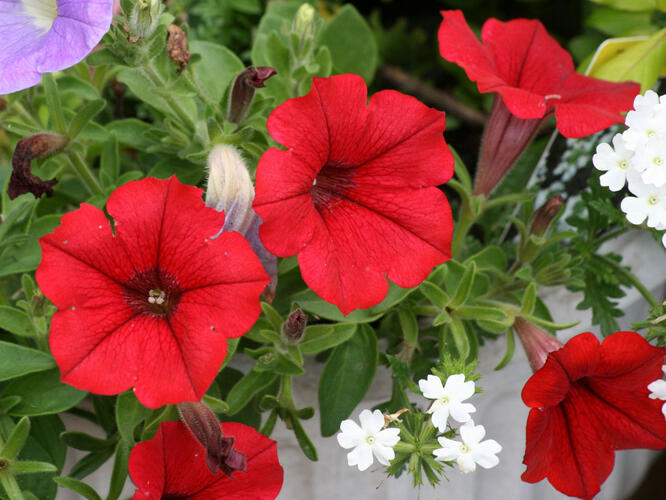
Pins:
<point x="374" y="439"/>
<point x="638" y="158"/>
<point x="658" y="390"/>
<point x="448" y="401"/>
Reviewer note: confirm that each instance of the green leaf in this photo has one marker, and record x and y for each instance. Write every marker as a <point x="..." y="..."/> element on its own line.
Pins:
<point x="90" y="463"/>
<point x="216" y="69"/>
<point x="489" y="259"/>
<point x="346" y="378"/>
<point x="130" y="133"/>
<point x="29" y="467"/>
<point x="246" y="6"/>
<point x="456" y="336"/>
<point x="16" y="360"/>
<point x="42" y="394"/>
<point x="215" y="404"/>
<point x="351" y="42"/>
<point x="628" y="4"/>
<point x="54" y="105"/>
<point x="15" y="321"/>
<point x="87" y="113"/>
<point x="303" y="440"/>
<point x="272" y="315"/>
<point x="129" y="413"/>
<point x="529" y="300"/>
<point x="16" y="439"/>
<point x="642" y="62"/>
<point x="464" y="286"/>
<point x="109" y="168"/>
<point x="409" y="326"/>
<point x="510" y="349"/>
<point x="310" y="302"/>
<point x="246" y="388"/>
<point x="77" y="487"/>
<point x="321" y="337"/>
<point x="434" y="294"/>
<point x="86" y="442"/>
<point x="119" y="474"/>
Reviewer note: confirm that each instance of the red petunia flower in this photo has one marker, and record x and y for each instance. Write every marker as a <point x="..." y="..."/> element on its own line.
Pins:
<point x="587" y="401"/>
<point x="172" y="466"/>
<point x="151" y="303"/>
<point x="534" y="77"/>
<point x="354" y="195"/>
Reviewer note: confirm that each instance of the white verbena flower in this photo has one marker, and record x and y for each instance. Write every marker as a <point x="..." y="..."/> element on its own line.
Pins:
<point x="651" y="160"/>
<point x="615" y="162"/>
<point x="649" y="202"/>
<point x="658" y="387"/>
<point x="647" y="119"/>
<point x="471" y="450"/>
<point x="448" y="400"/>
<point x="367" y="440"/>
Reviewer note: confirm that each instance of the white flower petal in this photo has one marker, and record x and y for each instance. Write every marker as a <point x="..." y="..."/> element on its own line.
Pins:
<point x="472" y="434"/>
<point x="458" y="388"/>
<point x="658" y="389"/>
<point x="634" y="208"/>
<point x="383" y="453"/>
<point x="360" y="456"/>
<point x="440" y="418"/>
<point x="466" y="463"/>
<point x="461" y="411"/>
<point x="388" y="437"/>
<point x="431" y="387"/>
<point x="372" y="422"/>
<point x="614" y="179"/>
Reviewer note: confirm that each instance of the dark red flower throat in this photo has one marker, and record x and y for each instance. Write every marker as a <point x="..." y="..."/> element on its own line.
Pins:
<point x="331" y="182"/>
<point x="152" y="291"/>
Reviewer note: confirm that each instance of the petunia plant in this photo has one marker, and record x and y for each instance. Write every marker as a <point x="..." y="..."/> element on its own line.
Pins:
<point x="191" y="232"/>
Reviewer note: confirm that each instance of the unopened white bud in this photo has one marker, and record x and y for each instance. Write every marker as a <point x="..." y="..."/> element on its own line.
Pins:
<point x="304" y="21"/>
<point x="230" y="188"/>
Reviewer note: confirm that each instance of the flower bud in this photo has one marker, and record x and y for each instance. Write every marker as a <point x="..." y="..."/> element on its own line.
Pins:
<point x="22" y="179"/>
<point x="144" y="17"/>
<point x="242" y="91"/>
<point x="304" y="21"/>
<point x="220" y="451"/>
<point x="293" y="329"/>
<point x="537" y="343"/>
<point x="230" y="188"/>
<point x="544" y="216"/>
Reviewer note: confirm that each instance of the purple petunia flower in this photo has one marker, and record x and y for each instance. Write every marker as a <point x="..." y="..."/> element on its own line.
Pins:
<point x="40" y="36"/>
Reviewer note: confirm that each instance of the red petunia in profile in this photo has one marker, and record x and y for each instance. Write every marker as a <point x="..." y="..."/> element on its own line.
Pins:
<point x="587" y="401"/>
<point x="533" y="77"/>
<point x="172" y="465"/>
<point x="354" y="194"/>
<point x="149" y="300"/>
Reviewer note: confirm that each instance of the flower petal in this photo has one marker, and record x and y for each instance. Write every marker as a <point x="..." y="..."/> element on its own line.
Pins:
<point x="383" y="453"/>
<point x="431" y="387"/>
<point x="360" y="456"/>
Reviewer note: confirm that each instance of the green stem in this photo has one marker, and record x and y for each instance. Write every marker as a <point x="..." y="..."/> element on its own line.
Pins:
<point x="629" y="276"/>
<point x="54" y="105"/>
<point x="464" y="223"/>
<point x="10" y="485"/>
<point x="610" y="235"/>
<point x="286" y="395"/>
<point x="20" y="109"/>
<point x="86" y="175"/>
<point x="153" y="75"/>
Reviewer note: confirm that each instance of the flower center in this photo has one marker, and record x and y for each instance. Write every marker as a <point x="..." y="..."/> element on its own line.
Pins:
<point x="330" y="184"/>
<point x="650" y="133"/>
<point x="652" y="200"/>
<point x="370" y="440"/>
<point x="657" y="161"/>
<point x="43" y="12"/>
<point x="623" y="164"/>
<point x="445" y="400"/>
<point x="464" y="448"/>
<point x="153" y="292"/>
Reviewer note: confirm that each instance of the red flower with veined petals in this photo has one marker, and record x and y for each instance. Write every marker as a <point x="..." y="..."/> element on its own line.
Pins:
<point x="172" y="466"/>
<point x="151" y="303"/>
<point x="587" y="401"/>
<point x="533" y="74"/>
<point x="354" y="195"/>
